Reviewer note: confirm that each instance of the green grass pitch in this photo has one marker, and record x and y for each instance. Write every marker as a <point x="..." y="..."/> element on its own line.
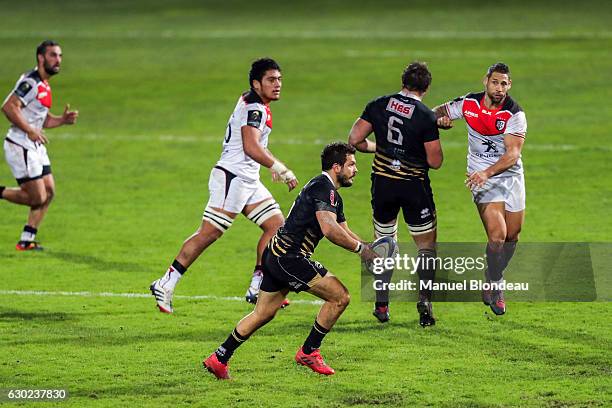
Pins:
<point x="155" y="82"/>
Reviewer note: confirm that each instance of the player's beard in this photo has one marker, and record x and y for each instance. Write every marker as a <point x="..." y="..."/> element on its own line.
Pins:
<point x="495" y="99"/>
<point x="50" y="70"/>
<point x="345" y="181"/>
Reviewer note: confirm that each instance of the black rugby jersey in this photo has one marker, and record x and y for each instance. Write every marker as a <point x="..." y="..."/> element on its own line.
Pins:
<point x="301" y="232"/>
<point x="402" y="124"/>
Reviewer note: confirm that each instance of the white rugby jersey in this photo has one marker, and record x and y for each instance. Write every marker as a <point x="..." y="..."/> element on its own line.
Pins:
<point x="249" y="111"/>
<point x="486" y="130"/>
<point x="35" y="94"/>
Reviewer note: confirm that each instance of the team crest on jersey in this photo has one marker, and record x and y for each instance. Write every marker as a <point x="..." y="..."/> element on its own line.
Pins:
<point x="403" y="109"/>
<point x="23" y="89"/>
<point x="332" y="198"/>
<point x="254" y="118"/>
<point x="500" y="124"/>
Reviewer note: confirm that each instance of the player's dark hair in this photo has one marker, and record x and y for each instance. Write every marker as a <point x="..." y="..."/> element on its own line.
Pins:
<point x="42" y="48"/>
<point x="498" y="67"/>
<point x="259" y="68"/>
<point x="335" y="153"/>
<point x="416" y="77"/>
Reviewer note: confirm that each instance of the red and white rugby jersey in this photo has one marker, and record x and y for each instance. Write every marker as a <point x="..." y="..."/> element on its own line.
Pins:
<point x="486" y="130"/>
<point x="35" y="94"/>
<point x="249" y="111"/>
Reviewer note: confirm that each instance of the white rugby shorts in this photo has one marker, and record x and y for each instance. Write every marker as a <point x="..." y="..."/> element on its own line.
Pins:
<point x="510" y="190"/>
<point x="26" y="164"/>
<point x="231" y="193"/>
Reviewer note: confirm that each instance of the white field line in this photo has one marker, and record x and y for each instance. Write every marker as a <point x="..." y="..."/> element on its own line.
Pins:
<point x="289" y="141"/>
<point x="308" y="34"/>
<point x="136" y="295"/>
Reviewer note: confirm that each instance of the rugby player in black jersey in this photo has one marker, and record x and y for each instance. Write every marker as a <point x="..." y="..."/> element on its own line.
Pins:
<point x="406" y="146"/>
<point x="317" y="212"/>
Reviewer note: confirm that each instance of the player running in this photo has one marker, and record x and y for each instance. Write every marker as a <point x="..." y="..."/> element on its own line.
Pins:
<point x="27" y="108"/>
<point x="318" y="211"/>
<point x="234" y="185"/>
<point x="407" y="145"/>
<point x="496" y="132"/>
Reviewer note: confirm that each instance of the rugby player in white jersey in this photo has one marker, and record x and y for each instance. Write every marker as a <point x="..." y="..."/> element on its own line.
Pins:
<point x="496" y="132"/>
<point x="27" y="108"/>
<point x="234" y="185"/>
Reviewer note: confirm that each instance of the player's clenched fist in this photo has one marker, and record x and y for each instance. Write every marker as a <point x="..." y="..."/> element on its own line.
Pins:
<point x="444" y="122"/>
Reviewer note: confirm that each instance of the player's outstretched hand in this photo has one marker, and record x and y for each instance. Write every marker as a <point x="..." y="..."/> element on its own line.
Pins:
<point x="444" y="122"/>
<point x="69" y="117"/>
<point x="476" y="180"/>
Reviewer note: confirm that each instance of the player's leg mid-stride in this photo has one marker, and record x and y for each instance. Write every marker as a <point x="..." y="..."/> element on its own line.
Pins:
<point x="268" y="217"/>
<point x="503" y="228"/>
<point x="163" y="288"/>
<point x="265" y="213"/>
<point x="336" y="298"/>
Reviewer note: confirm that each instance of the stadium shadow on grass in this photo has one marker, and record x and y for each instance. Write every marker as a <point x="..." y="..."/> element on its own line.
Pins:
<point x="386" y="399"/>
<point x="13" y="315"/>
<point x="118" y="336"/>
<point x="72" y="317"/>
<point x="94" y="262"/>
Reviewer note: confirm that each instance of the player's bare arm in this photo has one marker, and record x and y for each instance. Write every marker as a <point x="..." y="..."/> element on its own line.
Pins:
<point x="514" y="145"/>
<point x="434" y="154"/>
<point x="442" y="119"/>
<point x="341" y="237"/>
<point x="345" y="227"/>
<point x="68" y="117"/>
<point x="275" y="177"/>
<point x="334" y="232"/>
<point x="12" y="110"/>
<point x="440" y="111"/>
<point x="252" y="147"/>
<point x="358" y="137"/>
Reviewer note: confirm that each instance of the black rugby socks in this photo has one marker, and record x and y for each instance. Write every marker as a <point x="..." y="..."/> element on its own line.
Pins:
<point x="226" y="350"/>
<point x="427" y="272"/>
<point x="314" y="339"/>
<point x="495" y="262"/>
<point x="509" y="248"/>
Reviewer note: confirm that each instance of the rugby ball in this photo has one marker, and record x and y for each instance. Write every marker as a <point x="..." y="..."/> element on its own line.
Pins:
<point x="385" y="247"/>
